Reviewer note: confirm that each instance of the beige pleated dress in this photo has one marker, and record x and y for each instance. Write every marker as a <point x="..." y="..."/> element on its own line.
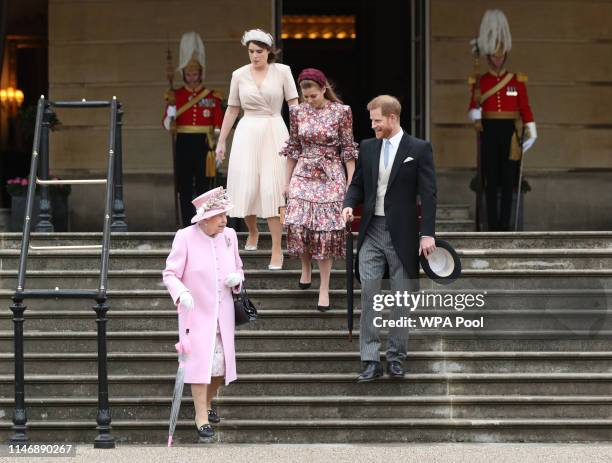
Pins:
<point x="256" y="172"/>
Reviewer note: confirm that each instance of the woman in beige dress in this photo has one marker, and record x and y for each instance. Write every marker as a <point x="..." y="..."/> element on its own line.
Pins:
<point x="255" y="177"/>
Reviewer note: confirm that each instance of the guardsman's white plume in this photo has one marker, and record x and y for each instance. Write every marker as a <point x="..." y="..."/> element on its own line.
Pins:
<point x="494" y="33"/>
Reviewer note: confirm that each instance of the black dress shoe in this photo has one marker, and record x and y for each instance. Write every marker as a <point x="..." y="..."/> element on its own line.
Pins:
<point x="323" y="308"/>
<point x="394" y="369"/>
<point x="206" y="431"/>
<point x="213" y="417"/>
<point x="371" y="371"/>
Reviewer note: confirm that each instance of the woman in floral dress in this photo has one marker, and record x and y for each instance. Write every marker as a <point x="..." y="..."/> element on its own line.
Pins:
<point x="320" y="146"/>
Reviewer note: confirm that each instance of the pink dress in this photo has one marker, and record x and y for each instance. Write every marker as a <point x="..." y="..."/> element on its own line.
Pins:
<point x="321" y="140"/>
<point x="256" y="174"/>
<point x="200" y="263"/>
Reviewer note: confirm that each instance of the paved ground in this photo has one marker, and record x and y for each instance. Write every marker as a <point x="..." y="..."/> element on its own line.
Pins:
<point x="455" y="453"/>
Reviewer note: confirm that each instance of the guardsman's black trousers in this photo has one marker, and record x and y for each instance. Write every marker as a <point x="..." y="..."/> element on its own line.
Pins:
<point x="500" y="173"/>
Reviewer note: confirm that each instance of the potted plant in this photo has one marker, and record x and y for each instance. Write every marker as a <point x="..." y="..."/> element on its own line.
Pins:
<point x="17" y="188"/>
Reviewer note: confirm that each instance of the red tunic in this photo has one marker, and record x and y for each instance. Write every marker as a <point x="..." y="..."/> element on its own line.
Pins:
<point x="508" y="102"/>
<point x="202" y="116"/>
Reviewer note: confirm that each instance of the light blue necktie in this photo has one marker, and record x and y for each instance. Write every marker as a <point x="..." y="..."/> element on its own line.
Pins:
<point x="386" y="152"/>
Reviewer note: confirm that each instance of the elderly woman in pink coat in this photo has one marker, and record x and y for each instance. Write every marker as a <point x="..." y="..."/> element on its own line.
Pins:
<point x="201" y="272"/>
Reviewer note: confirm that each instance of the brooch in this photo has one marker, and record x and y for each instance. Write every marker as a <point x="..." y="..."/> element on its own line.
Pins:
<point x="228" y="242"/>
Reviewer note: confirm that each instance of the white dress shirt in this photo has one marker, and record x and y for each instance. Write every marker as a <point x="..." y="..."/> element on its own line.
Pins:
<point x="384" y="172"/>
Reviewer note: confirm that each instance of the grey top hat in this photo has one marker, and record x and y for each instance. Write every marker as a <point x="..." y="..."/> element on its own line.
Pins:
<point x="443" y="265"/>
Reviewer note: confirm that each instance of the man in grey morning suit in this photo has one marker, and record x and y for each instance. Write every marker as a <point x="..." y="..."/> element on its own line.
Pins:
<point x="392" y="169"/>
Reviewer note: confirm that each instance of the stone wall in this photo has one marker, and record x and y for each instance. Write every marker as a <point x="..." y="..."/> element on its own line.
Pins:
<point x="101" y="48"/>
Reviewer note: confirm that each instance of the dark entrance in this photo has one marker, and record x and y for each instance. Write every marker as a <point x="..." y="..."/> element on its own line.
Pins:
<point x="376" y="61"/>
<point x="23" y="33"/>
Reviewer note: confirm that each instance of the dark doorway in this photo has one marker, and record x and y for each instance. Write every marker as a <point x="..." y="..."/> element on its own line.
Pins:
<point x="376" y="61"/>
<point x="24" y="45"/>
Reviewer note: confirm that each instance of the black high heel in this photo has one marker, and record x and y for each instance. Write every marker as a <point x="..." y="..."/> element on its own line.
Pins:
<point x="305" y="285"/>
<point x="323" y="308"/>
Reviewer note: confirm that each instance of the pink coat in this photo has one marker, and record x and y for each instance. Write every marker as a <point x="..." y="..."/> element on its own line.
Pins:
<point x="200" y="263"/>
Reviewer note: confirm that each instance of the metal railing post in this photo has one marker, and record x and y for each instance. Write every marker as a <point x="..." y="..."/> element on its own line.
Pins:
<point x="19" y="413"/>
<point x="44" y="223"/>
<point x="118" y="224"/>
<point x="104" y="440"/>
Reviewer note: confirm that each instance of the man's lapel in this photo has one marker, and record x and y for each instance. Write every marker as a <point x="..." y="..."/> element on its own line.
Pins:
<point x="376" y="161"/>
<point x="400" y="155"/>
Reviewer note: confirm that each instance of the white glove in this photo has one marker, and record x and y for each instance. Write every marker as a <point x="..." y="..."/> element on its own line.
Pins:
<point x="475" y="114"/>
<point x="533" y="134"/>
<point x="170" y="114"/>
<point x="186" y="301"/>
<point x="233" y="279"/>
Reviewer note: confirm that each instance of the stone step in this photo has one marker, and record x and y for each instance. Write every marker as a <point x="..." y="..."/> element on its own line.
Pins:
<point x="453" y="211"/>
<point x="536" y="259"/>
<point x="284" y="299"/>
<point x="444" y="214"/>
<point x="5" y="219"/>
<point x="454" y="225"/>
<point x="451" y="220"/>
<point x="268" y="279"/>
<point x="375" y="407"/>
<point x="305" y="431"/>
<point x="275" y="384"/>
<point x="494" y="240"/>
<point x="336" y="319"/>
<point x="324" y="407"/>
<point x="427" y="406"/>
<point x="459" y="240"/>
<point x="155" y="259"/>
<point x="138" y="363"/>
<point x="323" y="340"/>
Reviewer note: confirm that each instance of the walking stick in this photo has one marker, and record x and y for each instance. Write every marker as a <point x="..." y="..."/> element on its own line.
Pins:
<point x="520" y="180"/>
<point x="170" y="100"/>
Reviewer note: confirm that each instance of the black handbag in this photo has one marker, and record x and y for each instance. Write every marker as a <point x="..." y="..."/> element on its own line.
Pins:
<point x="245" y="310"/>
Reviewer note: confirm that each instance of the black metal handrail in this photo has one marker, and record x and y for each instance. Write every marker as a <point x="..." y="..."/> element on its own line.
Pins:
<point x="81" y="104"/>
<point x="45" y="223"/>
<point x="40" y="152"/>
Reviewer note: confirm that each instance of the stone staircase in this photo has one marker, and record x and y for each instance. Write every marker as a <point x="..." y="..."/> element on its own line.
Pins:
<point x="5" y="217"/>
<point x="540" y="369"/>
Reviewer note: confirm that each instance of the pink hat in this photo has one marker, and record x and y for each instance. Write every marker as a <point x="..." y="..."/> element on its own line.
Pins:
<point x="211" y="203"/>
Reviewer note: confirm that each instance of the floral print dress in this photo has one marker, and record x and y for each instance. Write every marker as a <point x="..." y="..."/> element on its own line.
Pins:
<point x="321" y="140"/>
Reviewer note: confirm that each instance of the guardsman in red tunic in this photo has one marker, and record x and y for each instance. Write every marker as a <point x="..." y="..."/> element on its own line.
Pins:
<point x="195" y="113"/>
<point x="497" y="106"/>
